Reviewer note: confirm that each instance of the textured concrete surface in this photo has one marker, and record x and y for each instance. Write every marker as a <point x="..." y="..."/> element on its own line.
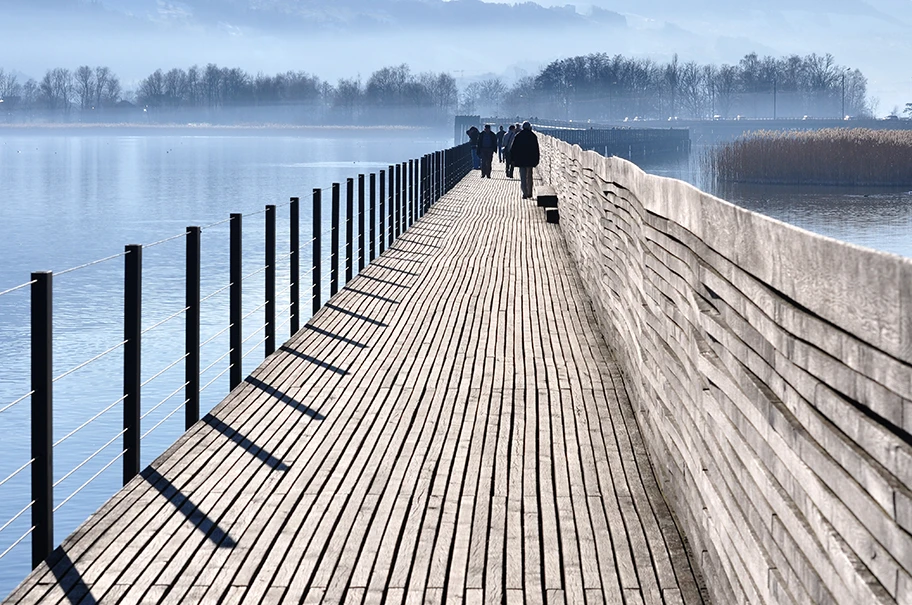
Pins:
<point x="770" y="372"/>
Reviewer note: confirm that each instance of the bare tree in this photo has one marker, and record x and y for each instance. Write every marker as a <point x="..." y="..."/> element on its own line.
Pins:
<point x="55" y="89"/>
<point x="84" y="86"/>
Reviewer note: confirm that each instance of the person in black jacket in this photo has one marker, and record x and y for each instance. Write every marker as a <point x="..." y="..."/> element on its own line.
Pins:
<point x="473" y="133"/>
<point x="525" y="155"/>
<point x="487" y="147"/>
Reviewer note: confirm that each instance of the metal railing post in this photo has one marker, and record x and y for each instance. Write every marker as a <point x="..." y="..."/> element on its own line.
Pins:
<point x="361" y="200"/>
<point x="382" y="211"/>
<point x="334" y="243"/>
<point x="192" y="328"/>
<point x="236" y="338"/>
<point x="294" y="258"/>
<point x="42" y="362"/>
<point x="397" y="215"/>
<point x="410" y="205"/>
<point x="349" y="229"/>
<point x="270" y="286"/>
<point x="132" y="368"/>
<point x="317" y="252"/>
<point x="391" y="212"/>
<point x="372" y="221"/>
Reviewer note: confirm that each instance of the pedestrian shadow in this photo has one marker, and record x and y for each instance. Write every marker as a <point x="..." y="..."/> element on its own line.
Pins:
<point x="69" y="579"/>
<point x="188" y="509"/>
<point x="282" y="397"/>
<point x="248" y="445"/>
<point x="329" y="334"/>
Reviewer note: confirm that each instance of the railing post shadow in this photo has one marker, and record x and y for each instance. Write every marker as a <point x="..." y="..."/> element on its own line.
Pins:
<point x="192" y="331"/>
<point x="270" y="285"/>
<point x="236" y="339"/>
<point x="132" y="363"/>
<point x="42" y="412"/>
<point x="317" y="218"/>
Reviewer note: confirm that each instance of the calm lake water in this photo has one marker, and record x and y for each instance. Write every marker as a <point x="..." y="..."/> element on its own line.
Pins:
<point x="71" y="197"/>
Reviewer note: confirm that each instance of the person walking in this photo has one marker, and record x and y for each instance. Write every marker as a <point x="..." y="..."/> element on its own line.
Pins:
<point x="473" y="145"/>
<point x="525" y="155"/>
<point x="500" y="137"/>
<point x="507" y="143"/>
<point x="487" y="146"/>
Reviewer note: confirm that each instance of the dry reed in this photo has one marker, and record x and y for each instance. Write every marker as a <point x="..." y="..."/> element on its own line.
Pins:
<point x="832" y="156"/>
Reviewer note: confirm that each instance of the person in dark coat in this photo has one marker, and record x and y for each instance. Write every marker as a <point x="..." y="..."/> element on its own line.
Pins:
<point x="507" y="142"/>
<point x="487" y="147"/>
<point x="525" y="155"/>
<point x="473" y="143"/>
<point x="500" y="137"/>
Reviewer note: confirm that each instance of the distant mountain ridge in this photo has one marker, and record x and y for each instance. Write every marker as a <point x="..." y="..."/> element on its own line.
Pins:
<point x="321" y="15"/>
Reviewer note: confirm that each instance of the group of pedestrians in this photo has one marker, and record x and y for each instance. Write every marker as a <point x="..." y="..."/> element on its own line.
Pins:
<point x="516" y="147"/>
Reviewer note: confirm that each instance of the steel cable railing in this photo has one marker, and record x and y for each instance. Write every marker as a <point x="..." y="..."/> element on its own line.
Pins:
<point x="17" y="288"/>
<point x="10" y="406"/>
<point x="89" y="481"/>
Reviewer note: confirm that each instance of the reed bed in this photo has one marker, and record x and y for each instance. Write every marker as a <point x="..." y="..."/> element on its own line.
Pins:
<point x="832" y="156"/>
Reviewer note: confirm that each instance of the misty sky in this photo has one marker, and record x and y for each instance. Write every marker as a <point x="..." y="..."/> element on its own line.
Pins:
<point x="872" y="35"/>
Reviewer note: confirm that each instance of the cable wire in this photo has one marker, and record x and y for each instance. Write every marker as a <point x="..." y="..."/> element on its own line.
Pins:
<point x="95" y="476"/>
<point x="16" y="543"/>
<point x="164" y="321"/>
<point x="165" y="400"/>
<point x="258" y="271"/>
<point x="258" y="330"/>
<point x="20" y="400"/>
<point x="216" y="293"/>
<point x="165" y="419"/>
<point x="89" y="459"/>
<point x="94" y="262"/>
<point x="216" y="335"/>
<point x="174" y="363"/>
<point x="163" y="241"/>
<point x="94" y="359"/>
<point x="25" y="285"/>
<point x="216" y="224"/>
<point x="19" y="514"/>
<point x="211" y="365"/>
<point x="89" y="421"/>
<point x="17" y="471"/>
<point x="222" y="373"/>
<point x="259" y="308"/>
<point x="254" y="348"/>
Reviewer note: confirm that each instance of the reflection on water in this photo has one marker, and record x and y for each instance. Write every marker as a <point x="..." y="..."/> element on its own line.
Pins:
<point x="70" y="198"/>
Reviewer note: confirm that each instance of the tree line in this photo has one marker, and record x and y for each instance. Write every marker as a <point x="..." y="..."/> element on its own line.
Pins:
<point x="591" y="87"/>
<point x="600" y="86"/>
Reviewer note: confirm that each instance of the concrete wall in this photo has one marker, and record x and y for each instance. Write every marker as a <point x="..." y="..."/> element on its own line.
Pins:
<point x="770" y="370"/>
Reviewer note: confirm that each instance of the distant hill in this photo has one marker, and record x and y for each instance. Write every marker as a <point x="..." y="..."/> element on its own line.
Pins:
<point x="311" y="15"/>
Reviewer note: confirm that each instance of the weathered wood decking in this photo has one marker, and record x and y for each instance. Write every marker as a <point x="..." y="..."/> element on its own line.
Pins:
<point x="450" y="427"/>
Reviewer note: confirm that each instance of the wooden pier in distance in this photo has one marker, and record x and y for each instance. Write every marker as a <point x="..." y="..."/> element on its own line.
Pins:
<point x="450" y="427"/>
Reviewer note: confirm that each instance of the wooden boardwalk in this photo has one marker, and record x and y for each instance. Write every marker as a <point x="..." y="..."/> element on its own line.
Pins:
<point x="451" y="427"/>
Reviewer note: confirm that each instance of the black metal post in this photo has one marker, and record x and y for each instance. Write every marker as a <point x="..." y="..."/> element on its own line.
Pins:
<point x="42" y="416"/>
<point x="361" y="251"/>
<point x="349" y="229"/>
<point x="236" y="338"/>
<point x="192" y="331"/>
<point x="372" y="236"/>
<point x="391" y="213"/>
<point x="270" y="287"/>
<point x="294" y="259"/>
<point x="383" y="221"/>
<point x="397" y="217"/>
<point x="132" y="374"/>
<point x="410" y="210"/>
<point x="403" y="211"/>
<point x="334" y="243"/>
<point x="317" y="246"/>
